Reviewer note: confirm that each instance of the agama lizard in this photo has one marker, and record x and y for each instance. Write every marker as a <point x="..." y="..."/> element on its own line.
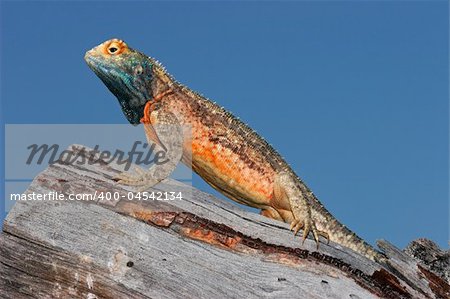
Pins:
<point x="224" y="151"/>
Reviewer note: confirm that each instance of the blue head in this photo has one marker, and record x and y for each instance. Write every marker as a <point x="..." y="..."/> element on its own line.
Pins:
<point x="127" y="74"/>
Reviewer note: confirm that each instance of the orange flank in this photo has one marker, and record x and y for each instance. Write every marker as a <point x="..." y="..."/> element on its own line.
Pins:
<point x="220" y="166"/>
<point x="231" y="174"/>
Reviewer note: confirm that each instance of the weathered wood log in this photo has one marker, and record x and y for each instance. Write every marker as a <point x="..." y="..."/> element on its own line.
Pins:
<point x="197" y="247"/>
<point x="431" y="256"/>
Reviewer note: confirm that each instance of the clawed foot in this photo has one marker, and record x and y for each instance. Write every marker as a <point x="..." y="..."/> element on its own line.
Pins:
<point x="308" y="226"/>
<point x="138" y="178"/>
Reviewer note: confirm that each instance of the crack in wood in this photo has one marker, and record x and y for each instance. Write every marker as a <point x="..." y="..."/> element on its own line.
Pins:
<point x="381" y="283"/>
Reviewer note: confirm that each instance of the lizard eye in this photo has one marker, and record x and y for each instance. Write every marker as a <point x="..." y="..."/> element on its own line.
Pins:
<point x="114" y="48"/>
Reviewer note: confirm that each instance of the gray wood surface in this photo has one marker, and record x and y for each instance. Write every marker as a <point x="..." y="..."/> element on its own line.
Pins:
<point x="197" y="247"/>
<point x="431" y="257"/>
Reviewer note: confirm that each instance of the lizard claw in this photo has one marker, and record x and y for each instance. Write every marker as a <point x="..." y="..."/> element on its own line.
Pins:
<point x="309" y="227"/>
<point x="132" y="179"/>
<point x="139" y="178"/>
<point x="324" y="235"/>
<point x="296" y="225"/>
<point x="306" y="231"/>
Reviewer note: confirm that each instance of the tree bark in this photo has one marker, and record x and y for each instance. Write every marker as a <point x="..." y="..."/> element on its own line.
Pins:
<point x="197" y="247"/>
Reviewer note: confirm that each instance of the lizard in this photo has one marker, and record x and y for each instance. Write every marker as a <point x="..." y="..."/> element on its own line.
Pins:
<point x="221" y="149"/>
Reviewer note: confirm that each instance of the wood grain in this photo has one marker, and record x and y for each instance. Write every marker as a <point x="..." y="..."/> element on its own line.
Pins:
<point x="198" y="247"/>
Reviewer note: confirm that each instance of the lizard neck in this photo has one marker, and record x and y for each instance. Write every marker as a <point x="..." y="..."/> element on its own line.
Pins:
<point x="162" y="82"/>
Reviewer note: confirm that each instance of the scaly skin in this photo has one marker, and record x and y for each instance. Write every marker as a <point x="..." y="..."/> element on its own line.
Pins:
<point x="224" y="151"/>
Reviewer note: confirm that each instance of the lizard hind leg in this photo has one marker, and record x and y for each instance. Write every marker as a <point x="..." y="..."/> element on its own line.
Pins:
<point x="270" y="212"/>
<point x="287" y="191"/>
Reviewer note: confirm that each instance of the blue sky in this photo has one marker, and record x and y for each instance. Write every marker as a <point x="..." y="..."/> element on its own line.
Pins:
<point x="353" y="94"/>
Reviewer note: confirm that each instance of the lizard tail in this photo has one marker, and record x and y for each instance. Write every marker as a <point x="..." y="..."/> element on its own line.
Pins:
<point x="349" y="239"/>
<point x="340" y="234"/>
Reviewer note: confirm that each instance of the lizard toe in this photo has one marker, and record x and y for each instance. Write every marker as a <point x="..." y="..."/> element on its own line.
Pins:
<point x="324" y="235"/>
<point x="138" y="178"/>
<point x="296" y="225"/>
<point x="318" y="233"/>
<point x="306" y="230"/>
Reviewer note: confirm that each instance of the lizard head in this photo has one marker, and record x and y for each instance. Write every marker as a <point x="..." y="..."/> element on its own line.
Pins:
<point x="127" y="74"/>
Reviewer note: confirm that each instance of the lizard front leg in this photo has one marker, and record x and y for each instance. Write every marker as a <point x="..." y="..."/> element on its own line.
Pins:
<point x="168" y="134"/>
<point x="287" y="193"/>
